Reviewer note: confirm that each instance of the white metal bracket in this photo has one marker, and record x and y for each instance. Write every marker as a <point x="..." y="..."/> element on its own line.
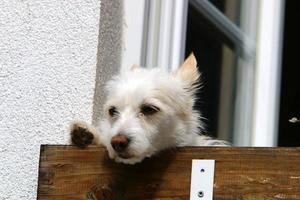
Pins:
<point x="202" y="179"/>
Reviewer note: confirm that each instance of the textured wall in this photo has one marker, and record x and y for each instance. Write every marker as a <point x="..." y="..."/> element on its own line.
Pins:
<point x="47" y="77"/>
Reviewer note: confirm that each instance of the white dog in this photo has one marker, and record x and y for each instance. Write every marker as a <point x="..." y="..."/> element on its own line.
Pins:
<point x="148" y="110"/>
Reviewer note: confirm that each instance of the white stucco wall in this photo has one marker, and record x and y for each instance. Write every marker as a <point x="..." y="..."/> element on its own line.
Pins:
<point x="48" y="56"/>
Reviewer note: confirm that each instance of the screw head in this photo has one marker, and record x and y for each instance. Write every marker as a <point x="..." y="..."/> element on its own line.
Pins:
<point x="200" y="194"/>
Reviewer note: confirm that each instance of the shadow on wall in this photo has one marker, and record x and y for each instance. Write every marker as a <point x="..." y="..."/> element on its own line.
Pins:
<point x="109" y="50"/>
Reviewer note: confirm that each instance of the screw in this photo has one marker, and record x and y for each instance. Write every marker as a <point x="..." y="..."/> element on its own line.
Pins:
<point x="200" y="194"/>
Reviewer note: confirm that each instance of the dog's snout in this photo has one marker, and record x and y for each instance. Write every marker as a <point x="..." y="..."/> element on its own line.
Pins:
<point x="120" y="142"/>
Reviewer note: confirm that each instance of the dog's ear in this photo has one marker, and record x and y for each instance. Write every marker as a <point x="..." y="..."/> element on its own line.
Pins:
<point x="134" y="67"/>
<point x="188" y="71"/>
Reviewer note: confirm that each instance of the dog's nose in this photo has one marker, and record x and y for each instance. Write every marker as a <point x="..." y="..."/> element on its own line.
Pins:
<point x="120" y="142"/>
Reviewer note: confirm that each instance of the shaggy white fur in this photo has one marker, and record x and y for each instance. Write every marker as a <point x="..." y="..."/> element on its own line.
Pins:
<point x="154" y="110"/>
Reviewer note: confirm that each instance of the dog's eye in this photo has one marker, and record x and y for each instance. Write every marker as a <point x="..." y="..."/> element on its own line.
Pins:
<point x="149" y="109"/>
<point x="112" y="111"/>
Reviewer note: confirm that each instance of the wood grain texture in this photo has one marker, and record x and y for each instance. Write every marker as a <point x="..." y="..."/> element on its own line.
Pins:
<point x="67" y="172"/>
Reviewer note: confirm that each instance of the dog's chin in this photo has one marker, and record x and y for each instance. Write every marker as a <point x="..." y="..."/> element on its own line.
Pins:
<point x="124" y="155"/>
<point x="129" y="160"/>
<point x="131" y="156"/>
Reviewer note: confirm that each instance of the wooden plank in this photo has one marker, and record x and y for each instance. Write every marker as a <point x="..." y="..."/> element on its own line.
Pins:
<point x="67" y="172"/>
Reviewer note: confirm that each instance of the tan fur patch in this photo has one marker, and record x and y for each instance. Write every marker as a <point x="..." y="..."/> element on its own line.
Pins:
<point x="188" y="71"/>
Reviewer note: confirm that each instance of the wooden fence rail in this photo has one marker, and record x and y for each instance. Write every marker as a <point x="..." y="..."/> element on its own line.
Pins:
<point x="67" y="172"/>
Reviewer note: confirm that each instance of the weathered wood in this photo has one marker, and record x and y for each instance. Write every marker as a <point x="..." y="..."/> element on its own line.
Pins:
<point x="67" y="172"/>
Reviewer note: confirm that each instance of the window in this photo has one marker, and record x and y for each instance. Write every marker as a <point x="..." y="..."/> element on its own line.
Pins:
<point x="223" y="36"/>
<point x="238" y="47"/>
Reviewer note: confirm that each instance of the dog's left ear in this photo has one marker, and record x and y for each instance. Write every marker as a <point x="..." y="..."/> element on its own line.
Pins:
<point x="188" y="71"/>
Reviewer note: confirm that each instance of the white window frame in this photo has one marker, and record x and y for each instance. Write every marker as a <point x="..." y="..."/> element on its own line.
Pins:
<point x="245" y="75"/>
<point x="165" y="39"/>
<point x="268" y="71"/>
<point x="154" y="33"/>
<point x="133" y="33"/>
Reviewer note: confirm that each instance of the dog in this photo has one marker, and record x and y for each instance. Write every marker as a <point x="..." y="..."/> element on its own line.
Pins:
<point x="147" y="111"/>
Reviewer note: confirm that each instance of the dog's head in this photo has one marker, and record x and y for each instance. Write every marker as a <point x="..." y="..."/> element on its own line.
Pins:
<point x="148" y="110"/>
